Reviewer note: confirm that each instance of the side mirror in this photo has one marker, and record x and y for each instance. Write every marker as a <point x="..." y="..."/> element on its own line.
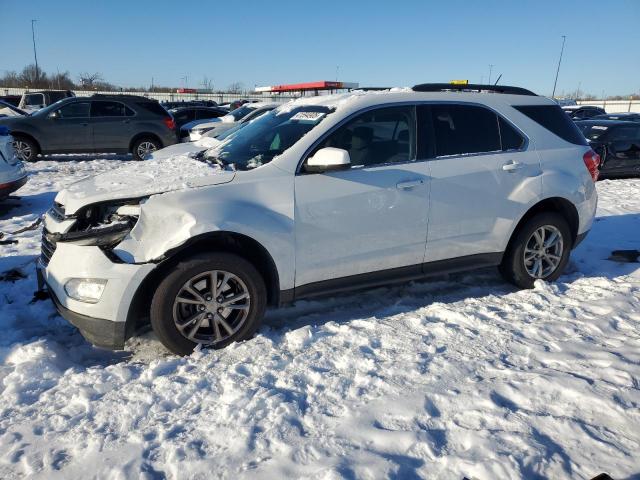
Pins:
<point x="328" y="159"/>
<point x="54" y="115"/>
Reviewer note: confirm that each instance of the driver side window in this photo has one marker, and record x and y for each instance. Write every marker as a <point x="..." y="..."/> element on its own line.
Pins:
<point x="74" y="110"/>
<point x="376" y="137"/>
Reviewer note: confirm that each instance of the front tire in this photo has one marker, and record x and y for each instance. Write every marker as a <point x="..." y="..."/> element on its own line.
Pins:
<point x="209" y="299"/>
<point x="26" y="149"/>
<point x="539" y="251"/>
<point x="144" y="146"/>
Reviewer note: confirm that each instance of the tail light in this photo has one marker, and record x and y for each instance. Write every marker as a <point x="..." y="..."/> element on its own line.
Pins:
<point x="170" y="123"/>
<point x="592" y="162"/>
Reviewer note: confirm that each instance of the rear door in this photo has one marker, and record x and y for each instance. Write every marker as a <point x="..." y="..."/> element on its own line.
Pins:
<point x="623" y="150"/>
<point x="483" y="174"/>
<point x="67" y="129"/>
<point x="111" y="125"/>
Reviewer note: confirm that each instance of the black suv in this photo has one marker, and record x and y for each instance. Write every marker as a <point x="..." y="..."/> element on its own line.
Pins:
<point x="100" y="123"/>
<point x="618" y="144"/>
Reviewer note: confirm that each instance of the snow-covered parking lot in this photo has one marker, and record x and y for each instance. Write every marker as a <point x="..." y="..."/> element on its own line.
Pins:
<point x="459" y="376"/>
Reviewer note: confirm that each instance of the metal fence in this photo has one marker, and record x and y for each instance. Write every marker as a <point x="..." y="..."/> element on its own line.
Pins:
<point x="170" y="97"/>
<point x="614" y="106"/>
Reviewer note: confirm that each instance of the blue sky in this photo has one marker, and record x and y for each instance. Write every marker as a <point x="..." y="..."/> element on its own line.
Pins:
<point x="375" y="43"/>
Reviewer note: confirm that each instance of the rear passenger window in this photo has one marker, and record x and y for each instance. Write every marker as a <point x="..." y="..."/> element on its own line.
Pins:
<point x="510" y="138"/>
<point x="108" y="109"/>
<point x="555" y="120"/>
<point x="376" y="137"/>
<point x="464" y="129"/>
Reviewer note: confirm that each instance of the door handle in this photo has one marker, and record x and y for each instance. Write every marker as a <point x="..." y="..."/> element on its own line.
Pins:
<point x="409" y="184"/>
<point x="512" y="166"/>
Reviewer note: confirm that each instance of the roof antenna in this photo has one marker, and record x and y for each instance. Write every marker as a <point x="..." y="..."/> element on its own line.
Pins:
<point x="499" y="77"/>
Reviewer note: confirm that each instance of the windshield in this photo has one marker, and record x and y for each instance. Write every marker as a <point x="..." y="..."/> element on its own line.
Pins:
<point x="593" y="132"/>
<point x="258" y="142"/>
<point x="242" y="111"/>
<point x="50" y="108"/>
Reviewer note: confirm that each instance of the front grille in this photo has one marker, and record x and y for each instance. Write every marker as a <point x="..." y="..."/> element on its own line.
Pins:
<point x="47" y="247"/>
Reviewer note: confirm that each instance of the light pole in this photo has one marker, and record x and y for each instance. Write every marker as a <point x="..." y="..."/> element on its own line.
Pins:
<point x="490" y="70"/>
<point x="553" y="95"/>
<point x="35" y="55"/>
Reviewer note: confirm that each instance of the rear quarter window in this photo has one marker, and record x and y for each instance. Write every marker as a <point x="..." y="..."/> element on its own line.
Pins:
<point x="552" y="118"/>
<point x="153" y="107"/>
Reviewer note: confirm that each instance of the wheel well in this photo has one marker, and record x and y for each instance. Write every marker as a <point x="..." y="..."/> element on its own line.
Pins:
<point x="555" y="204"/>
<point x="144" y="135"/>
<point x="26" y="135"/>
<point x="230" y="242"/>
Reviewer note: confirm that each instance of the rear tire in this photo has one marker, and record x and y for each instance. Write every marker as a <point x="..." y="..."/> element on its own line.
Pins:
<point x="145" y="146"/>
<point x="26" y="149"/>
<point x="528" y="259"/>
<point x="187" y="309"/>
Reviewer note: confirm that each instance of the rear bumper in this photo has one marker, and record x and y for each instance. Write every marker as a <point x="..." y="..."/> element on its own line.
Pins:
<point x="9" y="187"/>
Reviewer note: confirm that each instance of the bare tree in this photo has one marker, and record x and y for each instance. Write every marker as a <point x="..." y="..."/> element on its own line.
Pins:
<point x="61" y="81"/>
<point x="235" y="87"/>
<point x="89" y="80"/>
<point x="33" y="77"/>
<point x="207" y="83"/>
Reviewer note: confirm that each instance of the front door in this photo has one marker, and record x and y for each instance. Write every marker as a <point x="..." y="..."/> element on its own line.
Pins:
<point x="372" y="217"/>
<point x="67" y="129"/>
<point x="483" y="176"/>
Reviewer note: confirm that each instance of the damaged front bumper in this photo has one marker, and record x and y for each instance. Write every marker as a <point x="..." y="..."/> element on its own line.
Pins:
<point x="106" y="322"/>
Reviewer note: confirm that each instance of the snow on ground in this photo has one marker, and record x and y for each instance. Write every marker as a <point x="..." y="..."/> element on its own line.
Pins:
<point x="461" y="376"/>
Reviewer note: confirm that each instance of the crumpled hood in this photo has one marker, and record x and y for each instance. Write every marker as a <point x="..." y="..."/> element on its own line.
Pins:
<point x="164" y="172"/>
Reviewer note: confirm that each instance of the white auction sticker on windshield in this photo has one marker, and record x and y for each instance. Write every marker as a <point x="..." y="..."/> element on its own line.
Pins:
<point x="598" y="127"/>
<point x="309" y="117"/>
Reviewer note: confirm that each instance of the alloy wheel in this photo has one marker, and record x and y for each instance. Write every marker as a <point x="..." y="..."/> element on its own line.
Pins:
<point x="23" y="150"/>
<point x="543" y="251"/>
<point x="211" y="307"/>
<point x="145" y="148"/>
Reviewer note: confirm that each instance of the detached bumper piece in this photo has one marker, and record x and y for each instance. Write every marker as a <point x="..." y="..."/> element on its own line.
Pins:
<point x="99" y="332"/>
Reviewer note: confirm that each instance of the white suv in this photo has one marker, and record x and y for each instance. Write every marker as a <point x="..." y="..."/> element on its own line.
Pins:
<point x="321" y="195"/>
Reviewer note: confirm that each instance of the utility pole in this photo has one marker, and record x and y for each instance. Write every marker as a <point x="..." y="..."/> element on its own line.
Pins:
<point x="35" y="55"/>
<point x="490" y="70"/>
<point x="553" y="95"/>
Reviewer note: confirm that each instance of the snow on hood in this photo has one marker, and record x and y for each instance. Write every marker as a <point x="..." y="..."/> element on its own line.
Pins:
<point x="162" y="173"/>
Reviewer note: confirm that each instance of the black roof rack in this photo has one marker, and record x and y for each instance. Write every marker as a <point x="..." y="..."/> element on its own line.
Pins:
<point x="471" y="87"/>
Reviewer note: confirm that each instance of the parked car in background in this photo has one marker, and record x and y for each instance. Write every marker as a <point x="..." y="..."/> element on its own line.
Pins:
<point x="246" y="112"/>
<point x="316" y="198"/>
<point x="100" y="123"/>
<point x="184" y="115"/>
<point x="626" y="116"/>
<point x="189" y="103"/>
<point x="8" y="110"/>
<point x="11" y="99"/>
<point x="12" y="172"/>
<point x="582" y="112"/>
<point x="618" y="144"/>
<point x="32" y="101"/>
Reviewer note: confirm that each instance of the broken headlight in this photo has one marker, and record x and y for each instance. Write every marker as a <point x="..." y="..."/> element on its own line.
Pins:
<point x="103" y="225"/>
